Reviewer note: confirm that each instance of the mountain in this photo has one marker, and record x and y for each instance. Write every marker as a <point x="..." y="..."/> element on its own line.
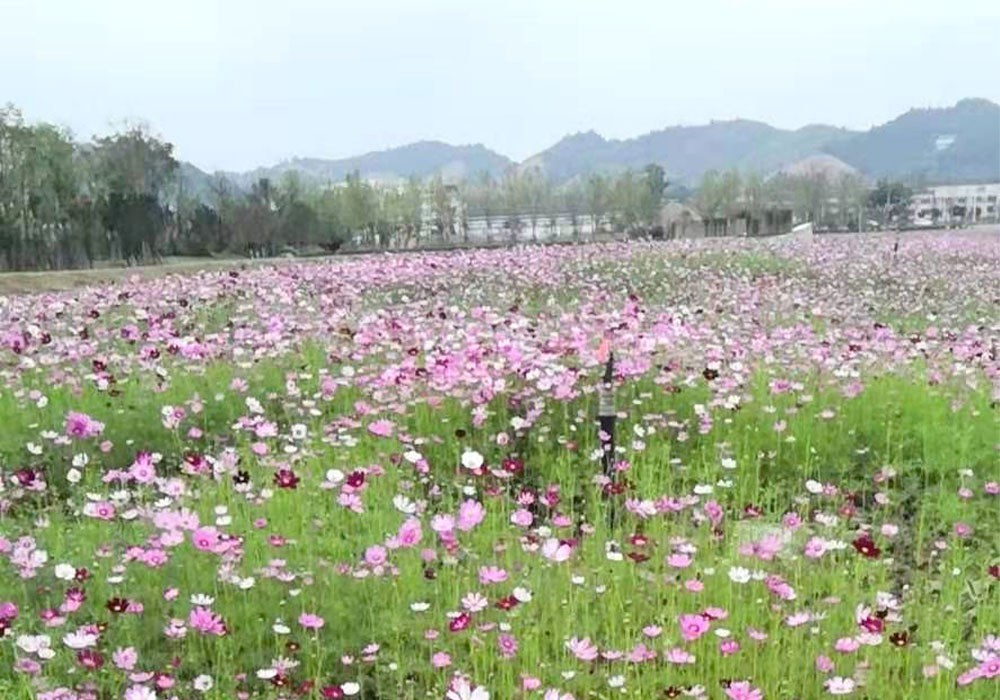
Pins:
<point x="960" y="143"/>
<point x="686" y="152"/>
<point x="423" y="159"/>
<point x="954" y="144"/>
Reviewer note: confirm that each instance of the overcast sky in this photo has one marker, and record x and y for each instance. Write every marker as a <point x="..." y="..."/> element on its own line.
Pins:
<point x="239" y="84"/>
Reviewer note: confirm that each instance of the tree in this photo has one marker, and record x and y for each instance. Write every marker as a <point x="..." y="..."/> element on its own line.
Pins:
<point x="537" y="191"/>
<point x="515" y="201"/>
<point x="574" y="200"/>
<point x="135" y="170"/>
<point x="851" y="196"/>
<point x="655" y="181"/>
<point x="597" y="194"/>
<point x="889" y="199"/>
<point x="443" y="205"/>
<point x="629" y="193"/>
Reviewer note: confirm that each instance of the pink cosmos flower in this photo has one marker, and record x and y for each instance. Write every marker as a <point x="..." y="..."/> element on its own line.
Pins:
<point x="583" y="649"/>
<point x="81" y="426"/>
<point x="310" y="621"/>
<point x="742" y="690"/>
<point x="506" y="645"/>
<point x="491" y="574"/>
<point x="679" y="656"/>
<point x="207" y="622"/>
<point x="125" y="659"/>
<point x="205" y="539"/>
<point x="376" y="555"/>
<point x="693" y="626"/>
<point x="522" y="518"/>
<point x="470" y="514"/>
<point x="101" y="510"/>
<point x="728" y="647"/>
<point x="381" y="428"/>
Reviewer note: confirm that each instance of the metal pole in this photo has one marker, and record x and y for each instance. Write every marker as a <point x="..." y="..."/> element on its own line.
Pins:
<point x="606" y="416"/>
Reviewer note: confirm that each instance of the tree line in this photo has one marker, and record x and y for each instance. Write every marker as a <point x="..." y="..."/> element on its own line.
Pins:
<point x="843" y="202"/>
<point x="120" y="198"/>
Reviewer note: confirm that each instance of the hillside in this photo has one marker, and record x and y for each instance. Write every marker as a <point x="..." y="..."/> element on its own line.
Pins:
<point x="423" y="159"/>
<point x="960" y="143"/>
<point x="954" y="144"/>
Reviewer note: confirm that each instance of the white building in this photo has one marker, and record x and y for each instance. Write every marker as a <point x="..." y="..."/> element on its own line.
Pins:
<point x="953" y="205"/>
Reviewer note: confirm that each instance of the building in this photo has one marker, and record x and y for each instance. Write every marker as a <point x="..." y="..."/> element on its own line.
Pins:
<point x="956" y="205"/>
<point x="683" y="221"/>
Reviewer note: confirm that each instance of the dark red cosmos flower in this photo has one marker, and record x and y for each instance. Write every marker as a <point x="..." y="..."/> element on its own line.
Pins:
<point x="90" y="659"/>
<point x="460" y="622"/>
<point x="117" y="605"/>
<point x="638" y="540"/>
<point x="331" y="692"/>
<point x="873" y="625"/>
<point x="507" y="603"/>
<point x="866" y="546"/>
<point x="638" y="557"/>
<point x="241" y="478"/>
<point x="899" y="639"/>
<point x="286" y="479"/>
<point x="752" y="511"/>
<point x="614" y="488"/>
<point x="994" y="571"/>
<point x="356" y="479"/>
<point x="672" y="692"/>
<point x="280" y="680"/>
<point x="512" y="465"/>
<point x="4" y="626"/>
<point x="81" y="575"/>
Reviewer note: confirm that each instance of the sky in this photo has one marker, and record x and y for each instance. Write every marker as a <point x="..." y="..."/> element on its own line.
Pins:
<point x="239" y="84"/>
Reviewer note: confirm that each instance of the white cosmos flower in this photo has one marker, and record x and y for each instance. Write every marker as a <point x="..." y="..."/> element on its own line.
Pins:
<point x="351" y="688"/>
<point x="738" y="574"/>
<point x="203" y="683"/>
<point x="65" y="572"/>
<point x="404" y="504"/>
<point x="472" y="460"/>
<point x="80" y="640"/>
<point x="32" y="644"/>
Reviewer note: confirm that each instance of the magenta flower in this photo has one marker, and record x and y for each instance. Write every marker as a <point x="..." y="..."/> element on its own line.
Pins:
<point x="81" y="426"/>
<point x="693" y="626"/>
<point x="207" y="622"/>
<point x="506" y="645"/>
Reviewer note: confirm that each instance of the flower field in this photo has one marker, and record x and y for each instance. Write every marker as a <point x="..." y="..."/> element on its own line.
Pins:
<point x="381" y="477"/>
